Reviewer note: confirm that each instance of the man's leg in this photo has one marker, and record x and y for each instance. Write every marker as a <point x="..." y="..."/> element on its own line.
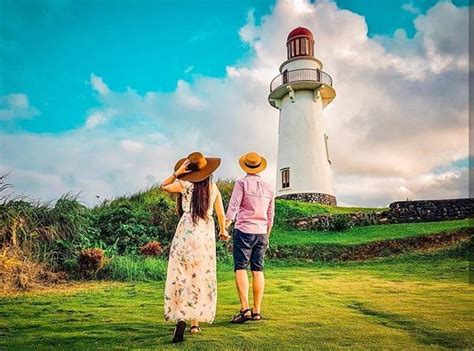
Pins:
<point x="258" y="287"/>
<point x="242" y="283"/>
<point x="256" y="265"/>
<point x="242" y="252"/>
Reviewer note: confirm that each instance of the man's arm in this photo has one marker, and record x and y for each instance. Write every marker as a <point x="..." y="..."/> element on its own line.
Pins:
<point x="270" y="215"/>
<point x="234" y="203"/>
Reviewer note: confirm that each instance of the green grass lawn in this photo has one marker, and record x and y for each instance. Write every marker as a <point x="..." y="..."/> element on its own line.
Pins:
<point x="412" y="302"/>
<point x="360" y="235"/>
<point x="286" y="209"/>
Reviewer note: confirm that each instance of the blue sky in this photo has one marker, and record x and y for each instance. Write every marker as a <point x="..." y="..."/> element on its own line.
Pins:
<point x="50" y="48"/>
<point x="79" y="78"/>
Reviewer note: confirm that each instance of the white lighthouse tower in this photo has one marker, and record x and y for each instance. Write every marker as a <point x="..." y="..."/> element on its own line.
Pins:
<point x="301" y="92"/>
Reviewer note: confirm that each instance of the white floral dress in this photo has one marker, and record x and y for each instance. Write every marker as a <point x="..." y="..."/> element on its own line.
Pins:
<point x="191" y="284"/>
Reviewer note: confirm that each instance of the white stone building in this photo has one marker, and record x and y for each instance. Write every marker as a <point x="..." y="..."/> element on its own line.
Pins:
<point x="301" y="92"/>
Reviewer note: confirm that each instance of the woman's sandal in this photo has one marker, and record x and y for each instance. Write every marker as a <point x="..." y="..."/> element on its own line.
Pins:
<point x="256" y="316"/>
<point x="242" y="317"/>
<point x="195" y="329"/>
<point x="178" y="334"/>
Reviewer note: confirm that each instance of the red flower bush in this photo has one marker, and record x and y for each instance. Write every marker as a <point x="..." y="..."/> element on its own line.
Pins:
<point x="90" y="261"/>
<point x="153" y="248"/>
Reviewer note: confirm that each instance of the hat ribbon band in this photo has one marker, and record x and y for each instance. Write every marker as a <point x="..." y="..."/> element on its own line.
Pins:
<point x="251" y="166"/>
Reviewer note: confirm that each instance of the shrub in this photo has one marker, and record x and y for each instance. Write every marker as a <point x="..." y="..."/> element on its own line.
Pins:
<point x="340" y="222"/>
<point x="90" y="261"/>
<point x="153" y="248"/>
<point x="225" y="187"/>
<point x="51" y="234"/>
<point x="224" y="250"/>
<point x="132" y="222"/>
<point x="125" y="225"/>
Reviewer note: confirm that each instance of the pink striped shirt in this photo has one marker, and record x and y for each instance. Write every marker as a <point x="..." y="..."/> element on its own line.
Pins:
<point x="252" y="205"/>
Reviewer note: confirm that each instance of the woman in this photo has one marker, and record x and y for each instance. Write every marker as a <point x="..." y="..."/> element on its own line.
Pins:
<point x="191" y="284"/>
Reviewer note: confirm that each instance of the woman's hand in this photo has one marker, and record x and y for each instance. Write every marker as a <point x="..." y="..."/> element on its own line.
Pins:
<point x="183" y="168"/>
<point x="224" y="235"/>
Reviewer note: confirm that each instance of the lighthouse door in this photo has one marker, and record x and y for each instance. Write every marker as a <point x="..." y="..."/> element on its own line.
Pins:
<point x="285" y="76"/>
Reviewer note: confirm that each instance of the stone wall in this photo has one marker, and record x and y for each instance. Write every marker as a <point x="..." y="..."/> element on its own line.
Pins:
<point x="431" y="210"/>
<point x="319" y="198"/>
<point x="399" y="212"/>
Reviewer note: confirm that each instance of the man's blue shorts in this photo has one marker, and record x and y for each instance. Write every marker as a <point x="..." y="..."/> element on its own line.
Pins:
<point x="249" y="248"/>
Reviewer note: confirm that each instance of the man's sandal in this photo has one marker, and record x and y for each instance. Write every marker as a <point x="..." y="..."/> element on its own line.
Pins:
<point x="256" y="316"/>
<point x="242" y="317"/>
<point x="195" y="329"/>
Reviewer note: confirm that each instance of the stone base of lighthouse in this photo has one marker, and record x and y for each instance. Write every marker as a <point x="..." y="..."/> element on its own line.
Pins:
<point x="320" y="198"/>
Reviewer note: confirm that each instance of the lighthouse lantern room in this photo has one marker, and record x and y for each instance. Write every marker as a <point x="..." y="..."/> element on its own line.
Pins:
<point x="301" y="91"/>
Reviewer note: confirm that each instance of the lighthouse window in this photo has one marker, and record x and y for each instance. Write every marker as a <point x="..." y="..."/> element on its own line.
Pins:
<point x="327" y="149"/>
<point x="303" y="46"/>
<point x="285" y="178"/>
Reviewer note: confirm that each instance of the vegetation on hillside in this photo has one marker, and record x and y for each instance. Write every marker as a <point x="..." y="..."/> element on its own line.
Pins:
<point x="38" y="239"/>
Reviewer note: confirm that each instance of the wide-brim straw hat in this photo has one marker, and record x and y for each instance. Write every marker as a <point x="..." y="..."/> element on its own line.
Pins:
<point x="201" y="167"/>
<point x="252" y="163"/>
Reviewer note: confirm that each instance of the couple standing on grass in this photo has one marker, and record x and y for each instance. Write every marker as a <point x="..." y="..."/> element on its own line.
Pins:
<point x="191" y="283"/>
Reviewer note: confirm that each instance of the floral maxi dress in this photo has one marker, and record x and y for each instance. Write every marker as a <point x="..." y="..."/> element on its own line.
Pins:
<point x="191" y="284"/>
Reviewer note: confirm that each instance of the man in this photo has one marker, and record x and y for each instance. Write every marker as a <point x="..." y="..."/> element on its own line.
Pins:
<point x="252" y="206"/>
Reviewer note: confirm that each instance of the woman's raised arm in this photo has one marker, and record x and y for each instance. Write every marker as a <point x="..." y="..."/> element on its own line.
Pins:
<point x="169" y="183"/>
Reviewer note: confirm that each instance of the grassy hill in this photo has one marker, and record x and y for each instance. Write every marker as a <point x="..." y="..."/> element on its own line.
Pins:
<point x="359" y="235"/>
<point x="409" y="292"/>
<point x="287" y="209"/>
<point x="56" y="234"/>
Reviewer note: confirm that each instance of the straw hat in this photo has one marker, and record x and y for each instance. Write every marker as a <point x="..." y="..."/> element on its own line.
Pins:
<point x="201" y="167"/>
<point x="252" y="163"/>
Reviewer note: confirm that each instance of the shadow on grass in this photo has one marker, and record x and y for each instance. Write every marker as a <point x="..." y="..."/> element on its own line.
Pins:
<point x="422" y="333"/>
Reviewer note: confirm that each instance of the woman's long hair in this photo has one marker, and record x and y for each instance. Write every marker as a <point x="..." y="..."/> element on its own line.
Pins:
<point x="199" y="200"/>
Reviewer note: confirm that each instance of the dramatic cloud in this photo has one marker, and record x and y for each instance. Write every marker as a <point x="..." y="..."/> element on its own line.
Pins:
<point x="16" y="106"/>
<point x="401" y="112"/>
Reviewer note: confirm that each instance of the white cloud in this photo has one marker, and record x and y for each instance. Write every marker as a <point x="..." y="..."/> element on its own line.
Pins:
<point x="409" y="7"/>
<point x="16" y="106"/>
<point x="132" y="146"/>
<point x="98" y="84"/>
<point x="95" y="119"/>
<point x="401" y="111"/>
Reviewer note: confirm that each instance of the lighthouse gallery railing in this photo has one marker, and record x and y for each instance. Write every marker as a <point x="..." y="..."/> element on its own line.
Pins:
<point x="300" y="75"/>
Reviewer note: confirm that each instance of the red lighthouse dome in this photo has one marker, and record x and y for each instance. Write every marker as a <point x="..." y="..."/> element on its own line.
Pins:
<point x="300" y="42"/>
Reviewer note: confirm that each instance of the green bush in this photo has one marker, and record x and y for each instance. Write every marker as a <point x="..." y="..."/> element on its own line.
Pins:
<point x="132" y="222"/>
<point x="52" y="234"/>
<point x="225" y="187"/>
<point x="339" y="223"/>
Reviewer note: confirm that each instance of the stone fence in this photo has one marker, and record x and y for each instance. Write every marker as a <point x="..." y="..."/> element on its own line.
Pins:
<point x="398" y="212"/>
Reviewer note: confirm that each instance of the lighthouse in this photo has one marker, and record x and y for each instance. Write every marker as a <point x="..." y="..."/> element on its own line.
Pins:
<point x="301" y="92"/>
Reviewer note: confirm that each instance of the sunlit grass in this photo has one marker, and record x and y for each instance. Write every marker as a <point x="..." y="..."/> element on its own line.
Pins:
<point x="404" y="303"/>
<point x="286" y="209"/>
<point x="360" y="235"/>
